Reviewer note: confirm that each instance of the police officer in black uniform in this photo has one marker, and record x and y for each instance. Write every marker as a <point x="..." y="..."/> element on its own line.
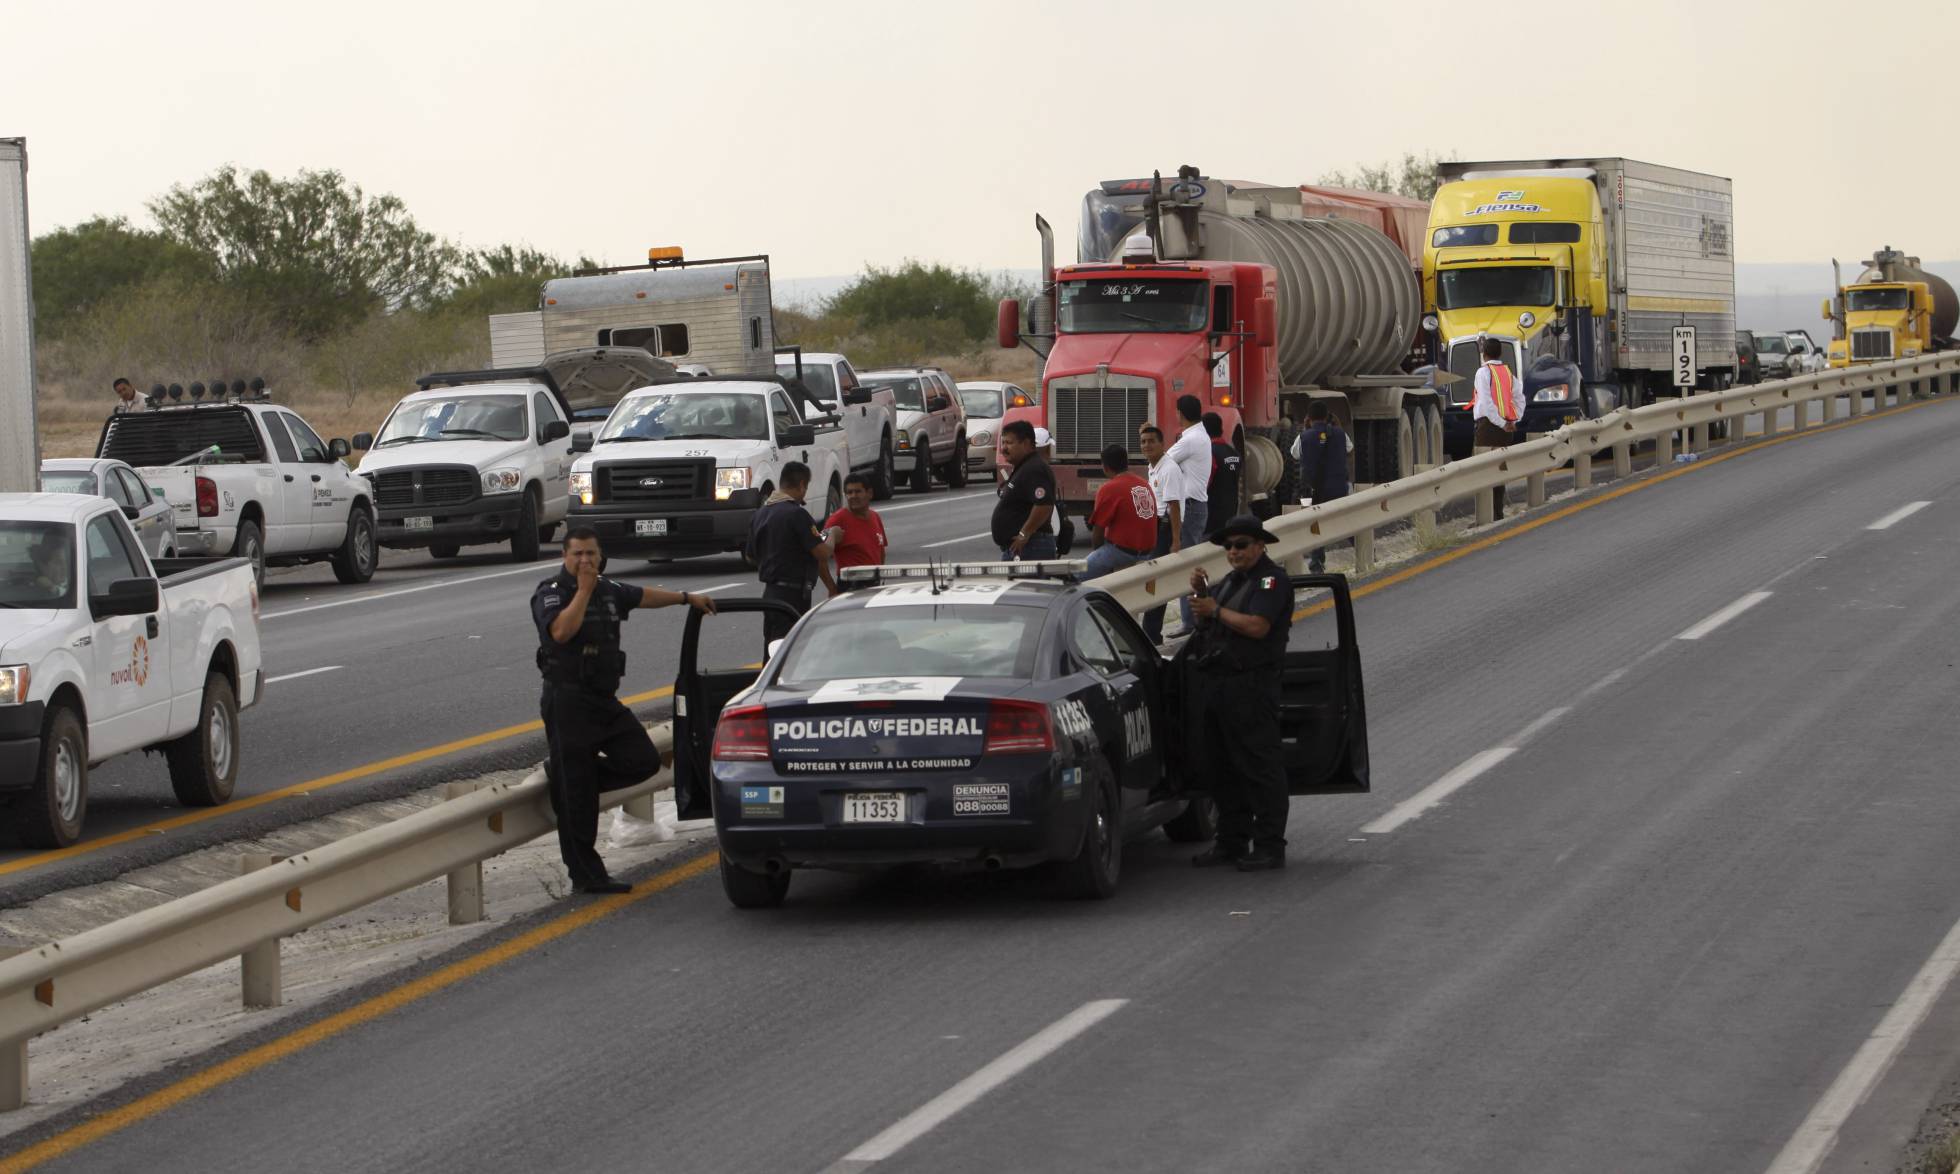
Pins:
<point x="1231" y="687"/>
<point x="791" y="551"/>
<point x="596" y="742"/>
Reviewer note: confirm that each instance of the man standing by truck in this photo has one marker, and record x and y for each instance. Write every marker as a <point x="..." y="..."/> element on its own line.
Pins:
<point x="1027" y="498"/>
<point x="1322" y="451"/>
<point x="1496" y="410"/>
<point x="791" y="553"/>
<point x="596" y="743"/>
<point x="862" y="541"/>
<point x="1222" y="491"/>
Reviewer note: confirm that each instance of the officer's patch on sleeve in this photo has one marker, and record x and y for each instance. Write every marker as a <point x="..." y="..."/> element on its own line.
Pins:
<point x="1039" y="493"/>
<point x="550" y="600"/>
<point x="1266" y="583"/>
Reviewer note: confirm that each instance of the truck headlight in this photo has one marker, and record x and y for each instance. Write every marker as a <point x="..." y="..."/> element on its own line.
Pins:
<point x="502" y="480"/>
<point x="904" y="441"/>
<point x="13" y="684"/>
<point x="727" y="481"/>
<point x="1429" y="321"/>
<point x="1527" y="319"/>
<point x="581" y="487"/>
<point x="1557" y="393"/>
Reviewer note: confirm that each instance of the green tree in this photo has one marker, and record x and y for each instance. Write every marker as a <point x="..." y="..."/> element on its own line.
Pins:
<point x="916" y="292"/>
<point x="505" y="279"/>
<point x="1414" y="176"/>
<point x="76" y="268"/>
<point x="315" y="249"/>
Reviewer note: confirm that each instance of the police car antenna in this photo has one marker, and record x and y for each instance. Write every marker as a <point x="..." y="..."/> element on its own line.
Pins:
<point x="942" y="574"/>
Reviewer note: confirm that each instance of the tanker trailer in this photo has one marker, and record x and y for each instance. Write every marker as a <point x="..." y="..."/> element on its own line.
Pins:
<point x="1894" y="310"/>
<point x="1232" y="293"/>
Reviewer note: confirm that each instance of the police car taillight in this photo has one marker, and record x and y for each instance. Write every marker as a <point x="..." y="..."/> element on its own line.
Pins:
<point x="1018" y="727"/>
<point x="742" y="735"/>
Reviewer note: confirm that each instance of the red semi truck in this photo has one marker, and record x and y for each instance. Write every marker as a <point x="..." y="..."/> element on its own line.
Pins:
<point x="1255" y="299"/>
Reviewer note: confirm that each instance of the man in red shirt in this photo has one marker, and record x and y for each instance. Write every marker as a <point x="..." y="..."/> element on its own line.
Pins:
<point x="1123" y="522"/>
<point x="863" y="544"/>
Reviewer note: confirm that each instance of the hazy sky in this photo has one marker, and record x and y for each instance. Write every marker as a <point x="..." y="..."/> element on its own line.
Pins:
<point x="834" y="134"/>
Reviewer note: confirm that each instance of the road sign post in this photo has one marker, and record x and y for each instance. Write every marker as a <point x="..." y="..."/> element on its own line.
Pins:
<point x="1684" y="377"/>
<point x="20" y="445"/>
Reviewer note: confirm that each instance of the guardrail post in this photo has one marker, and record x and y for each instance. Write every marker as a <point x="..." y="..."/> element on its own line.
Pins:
<point x="1297" y="565"/>
<point x="1830" y="407"/>
<point x="1855" y="402"/>
<point x="466" y="883"/>
<point x="1534" y="490"/>
<point x="1769" y="420"/>
<point x="1582" y="470"/>
<point x="13" y="1059"/>
<point x="1364" y="550"/>
<point x="1623" y="460"/>
<point x="1664" y="448"/>
<point x="1803" y="414"/>
<point x="1697" y="439"/>
<point x="259" y="966"/>
<point x="1487" y="505"/>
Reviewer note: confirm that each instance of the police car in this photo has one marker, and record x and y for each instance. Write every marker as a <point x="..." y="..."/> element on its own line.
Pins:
<point x="981" y="716"/>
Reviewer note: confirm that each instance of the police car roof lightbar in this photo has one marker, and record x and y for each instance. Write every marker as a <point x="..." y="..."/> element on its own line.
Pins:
<point x="851" y="577"/>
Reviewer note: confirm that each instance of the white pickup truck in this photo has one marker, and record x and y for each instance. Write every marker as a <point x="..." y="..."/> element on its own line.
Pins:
<point x="248" y="477"/>
<point x="869" y="414"/>
<point x="99" y="656"/>
<point x="679" y="469"/>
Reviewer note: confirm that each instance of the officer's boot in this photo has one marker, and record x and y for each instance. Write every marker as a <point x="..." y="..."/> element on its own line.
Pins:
<point x="1263" y="858"/>
<point x="1222" y="852"/>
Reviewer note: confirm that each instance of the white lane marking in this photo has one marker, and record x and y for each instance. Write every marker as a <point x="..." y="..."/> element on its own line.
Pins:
<point x="332" y="668"/>
<point x="1544" y="719"/>
<point x="1899" y="515"/>
<point x="1010" y="1064"/>
<point x="542" y="571"/>
<point x="1815" y="1138"/>
<point x="1441" y="789"/>
<point x="952" y="541"/>
<point x="1724" y="616"/>
<point x="709" y="590"/>
<point x="949" y="498"/>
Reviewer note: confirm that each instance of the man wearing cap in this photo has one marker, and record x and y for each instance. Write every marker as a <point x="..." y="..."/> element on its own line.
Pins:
<point x="1232" y="690"/>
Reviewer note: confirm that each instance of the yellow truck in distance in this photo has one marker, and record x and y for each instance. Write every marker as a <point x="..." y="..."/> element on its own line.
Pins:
<point x="1894" y="310"/>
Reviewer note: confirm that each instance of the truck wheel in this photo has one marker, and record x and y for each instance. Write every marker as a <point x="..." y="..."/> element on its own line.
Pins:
<point x="884" y="480"/>
<point x="956" y="472"/>
<point x="545" y="532"/>
<point x="524" y="540"/>
<point x="355" y="561"/>
<point x="1197" y="825"/>
<point x="443" y="549"/>
<point x="250" y="545"/>
<point x="1092" y="875"/>
<point x="922" y="471"/>
<point x="50" y="816"/>
<point x="204" y="762"/>
<point x="833" y="500"/>
<point x="753" y="890"/>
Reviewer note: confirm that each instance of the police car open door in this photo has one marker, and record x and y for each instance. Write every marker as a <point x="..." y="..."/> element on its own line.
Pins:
<point x="705" y="684"/>
<point x="1322" y="719"/>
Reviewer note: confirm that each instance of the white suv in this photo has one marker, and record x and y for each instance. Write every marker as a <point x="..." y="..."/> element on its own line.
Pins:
<point x="931" y="424"/>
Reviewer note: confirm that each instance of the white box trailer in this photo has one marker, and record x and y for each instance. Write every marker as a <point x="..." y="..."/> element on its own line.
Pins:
<point x="20" y="443"/>
<point x="715" y="312"/>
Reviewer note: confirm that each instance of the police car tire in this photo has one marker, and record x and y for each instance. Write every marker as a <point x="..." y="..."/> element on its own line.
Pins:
<point x="524" y="540"/>
<point x="922" y="468"/>
<point x="1098" y="863"/>
<point x="753" y="890"/>
<point x="352" y="564"/>
<point x="956" y="472"/>
<point x="1197" y="824"/>
<point x="884" y="479"/>
<point x="37" y="814"/>
<point x="200" y="778"/>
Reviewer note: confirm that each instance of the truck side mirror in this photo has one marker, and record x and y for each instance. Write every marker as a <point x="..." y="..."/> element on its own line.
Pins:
<point x="796" y="436"/>
<point x="363" y="441"/>
<point x="1827" y="310"/>
<point x="857" y="395"/>
<point x="582" y="442"/>
<point x="338" y="448"/>
<point x="556" y="430"/>
<point x="126" y="597"/>
<point x="1265" y="322"/>
<point x="1007" y="324"/>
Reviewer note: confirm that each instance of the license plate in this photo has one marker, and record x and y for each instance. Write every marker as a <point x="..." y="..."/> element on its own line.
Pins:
<point x="874" y="807"/>
<point x="650" y="526"/>
<point x="418" y="523"/>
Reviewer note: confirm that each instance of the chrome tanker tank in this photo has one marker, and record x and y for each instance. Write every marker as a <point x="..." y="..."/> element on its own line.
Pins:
<point x="1892" y="265"/>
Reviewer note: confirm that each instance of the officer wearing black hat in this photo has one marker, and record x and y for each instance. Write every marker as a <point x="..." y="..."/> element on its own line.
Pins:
<point x="1232" y="689"/>
<point x="596" y="742"/>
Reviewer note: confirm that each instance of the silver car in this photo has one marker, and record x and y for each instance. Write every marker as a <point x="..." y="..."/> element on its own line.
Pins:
<point x="986" y="402"/>
<point x="149" y="515"/>
<point x="1773" y="350"/>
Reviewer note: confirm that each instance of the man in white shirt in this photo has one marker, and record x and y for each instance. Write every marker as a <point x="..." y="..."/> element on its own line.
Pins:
<point x="1192" y="452"/>
<point x="1168" y="487"/>
<point x="1496" y="409"/>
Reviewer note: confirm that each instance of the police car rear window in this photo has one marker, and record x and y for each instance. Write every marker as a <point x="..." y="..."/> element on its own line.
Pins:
<point x="935" y="641"/>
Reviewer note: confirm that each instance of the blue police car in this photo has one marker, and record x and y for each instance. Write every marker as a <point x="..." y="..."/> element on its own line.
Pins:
<point x="978" y="717"/>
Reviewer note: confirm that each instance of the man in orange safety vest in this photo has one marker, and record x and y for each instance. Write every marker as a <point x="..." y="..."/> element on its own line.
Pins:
<point x="1496" y="409"/>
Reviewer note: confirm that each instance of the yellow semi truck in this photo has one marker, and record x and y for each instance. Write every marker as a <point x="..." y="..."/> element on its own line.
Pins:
<point x="1894" y="310"/>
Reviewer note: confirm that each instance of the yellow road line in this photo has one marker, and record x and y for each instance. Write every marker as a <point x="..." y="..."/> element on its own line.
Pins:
<point x="118" y="1119"/>
<point x="206" y="814"/>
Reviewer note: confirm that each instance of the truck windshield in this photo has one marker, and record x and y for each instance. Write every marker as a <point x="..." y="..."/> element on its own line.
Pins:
<point x="1772" y="344"/>
<point x="462" y="417"/>
<point x="905" y="392"/>
<point x="819" y="379"/>
<point x="687" y="415"/>
<point x="37" y="565"/>
<point x="945" y="640"/>
<point x="1508" y="285"/>
<point x="1128" y="305"/>
<point x="1877" y="299"/>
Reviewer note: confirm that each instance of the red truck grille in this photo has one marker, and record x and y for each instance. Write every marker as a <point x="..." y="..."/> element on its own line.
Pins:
<point x="1085" y="420"/>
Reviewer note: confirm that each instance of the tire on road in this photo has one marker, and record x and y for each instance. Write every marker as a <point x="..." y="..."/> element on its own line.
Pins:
<point x="884" y="479"/>
<point x="204" y="762"/>
<point x="922" y="469"/>
<point x="524" y="540"/>
<point x="956" y="471"/>
<point x="1197" y="825"/>
<point x="50" y="814"/>
<point x="250" y="545"/>
<point x="358" y="555"/>
<point x="1098" y="863"/>
<point x="753" y="890"/>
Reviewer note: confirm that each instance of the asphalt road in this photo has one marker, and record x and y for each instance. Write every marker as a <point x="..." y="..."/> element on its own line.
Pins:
<point x="426" y="654"/>
<point x="1697" y="839"/>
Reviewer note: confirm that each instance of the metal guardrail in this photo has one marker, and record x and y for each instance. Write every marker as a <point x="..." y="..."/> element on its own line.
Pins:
<point x="1358" y="516"/>
<point x="44" y="987"/>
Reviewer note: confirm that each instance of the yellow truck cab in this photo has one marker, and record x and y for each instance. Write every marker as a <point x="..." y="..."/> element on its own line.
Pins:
<point x="1894" y="310"/>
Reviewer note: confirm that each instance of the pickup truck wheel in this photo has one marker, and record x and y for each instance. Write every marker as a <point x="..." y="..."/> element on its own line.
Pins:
<point x="50" y="816"/>
<point x="524" y="540"/>
<point x="753" y="890"/>
<point x="1092" y="875"/>
<point x="355" y="561"/>
<point x="545" y="533"/>
<point x="956" y="472"/>
<point x="204" y="762"/>
<point x="884" y="478"/>
<point x="250" y="545"/>
<point x="444" y="549"/>
<point x="1197" y="825"/>
<point x="922" y="471"/>
<point x="833" y="500"/>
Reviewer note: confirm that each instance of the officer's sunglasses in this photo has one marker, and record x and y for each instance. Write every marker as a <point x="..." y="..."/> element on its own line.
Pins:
<point x="1240" y="544"/>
